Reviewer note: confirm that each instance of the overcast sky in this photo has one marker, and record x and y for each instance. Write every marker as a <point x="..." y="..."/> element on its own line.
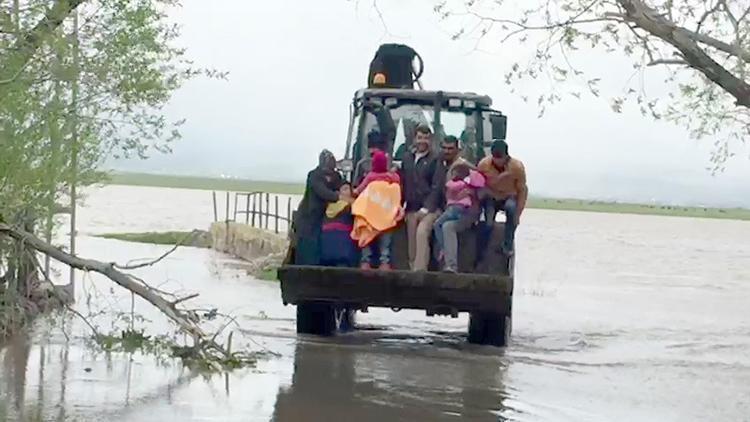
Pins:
<point x="294" y="65"/>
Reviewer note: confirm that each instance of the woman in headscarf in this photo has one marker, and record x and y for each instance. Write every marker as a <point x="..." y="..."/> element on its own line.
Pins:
<point x="321" y="189"/>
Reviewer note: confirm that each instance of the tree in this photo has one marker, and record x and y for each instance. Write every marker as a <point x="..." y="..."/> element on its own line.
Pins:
<point x="72" y="94"/>
<point x="703" y="45"/>
<point x="82" y="80"/>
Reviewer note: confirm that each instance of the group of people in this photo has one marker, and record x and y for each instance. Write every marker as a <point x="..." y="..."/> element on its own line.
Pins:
<point x="441" y="195"/>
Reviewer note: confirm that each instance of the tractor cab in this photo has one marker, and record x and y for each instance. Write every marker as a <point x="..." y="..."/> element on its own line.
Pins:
<point x="396" y="113"/>
<point x="394" y="104"/>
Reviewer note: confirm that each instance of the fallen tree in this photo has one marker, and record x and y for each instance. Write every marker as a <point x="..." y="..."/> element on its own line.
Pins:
<point x="204" y="347"/>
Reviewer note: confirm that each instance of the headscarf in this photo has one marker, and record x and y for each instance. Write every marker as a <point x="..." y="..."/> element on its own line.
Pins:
<point x="326" y="160"/>
<point x="379" y="162"/>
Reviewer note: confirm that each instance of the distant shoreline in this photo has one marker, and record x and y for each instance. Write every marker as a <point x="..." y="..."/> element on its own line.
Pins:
<point x="241" y="185"/>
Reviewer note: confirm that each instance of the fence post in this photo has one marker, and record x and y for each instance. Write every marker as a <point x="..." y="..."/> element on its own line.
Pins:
<point x="268" y="208"/>
<point x="254" y="201"/>
<point x="226" y="226"/>
<point x="276" y="213"/>
<point x="247" y="209"/>
<point x="226" y="214"/>
<point x="289" y="214"/>
<point x="216" y="212"/>
<point x="235" y="206"/>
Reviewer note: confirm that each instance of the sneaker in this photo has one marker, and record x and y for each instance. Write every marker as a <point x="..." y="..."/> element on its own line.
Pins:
<point x="365" y="266"/>
<point x="506" y="251"/>
<point x="450" y="270"/>
<point x="385" y="266"/>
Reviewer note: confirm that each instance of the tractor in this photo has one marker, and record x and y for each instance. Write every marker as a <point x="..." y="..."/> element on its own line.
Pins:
<point x="395" y="103"/>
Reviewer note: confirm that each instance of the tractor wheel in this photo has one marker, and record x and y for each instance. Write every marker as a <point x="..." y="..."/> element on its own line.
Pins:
<point x="316" y="318"/>
<point x="489" y="329"/>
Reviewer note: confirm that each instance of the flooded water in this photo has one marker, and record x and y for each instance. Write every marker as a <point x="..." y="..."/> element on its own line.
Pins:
<point x="616" y="318"/>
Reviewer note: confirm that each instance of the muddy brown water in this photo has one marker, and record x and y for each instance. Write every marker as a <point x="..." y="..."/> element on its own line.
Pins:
<point x="616" y="318"/>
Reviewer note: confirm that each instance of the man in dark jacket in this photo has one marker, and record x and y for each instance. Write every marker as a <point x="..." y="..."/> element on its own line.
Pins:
<point x="321" y="189"/>
<point x="422" y="195"/>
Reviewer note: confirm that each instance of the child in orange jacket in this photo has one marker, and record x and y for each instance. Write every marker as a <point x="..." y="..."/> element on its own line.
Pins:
<point x="382" y="243"/>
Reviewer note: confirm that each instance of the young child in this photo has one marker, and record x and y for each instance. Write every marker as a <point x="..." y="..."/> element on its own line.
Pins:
<point x="382" y="244"/>
<point x="461" y="195"/>
<point x="337" y="247"/>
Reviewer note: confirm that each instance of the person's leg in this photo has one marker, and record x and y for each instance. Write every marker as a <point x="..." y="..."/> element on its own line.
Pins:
<point x="308" y="248"/>
<point x="412" y="222"/>
<point x="438" y="231"/>
<point x="423" y="233"/>
<point x="384" y="243"/>
<point x="365" y="261"/>
<point x="511" y="219"/>
<point x="447" y="231"/>
<point x="449" y="237"/>
<point x="490" y="210"/>
<point x="464" y="221"/>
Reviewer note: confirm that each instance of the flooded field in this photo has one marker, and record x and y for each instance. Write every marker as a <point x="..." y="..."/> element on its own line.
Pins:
<point x="616" y="318"/>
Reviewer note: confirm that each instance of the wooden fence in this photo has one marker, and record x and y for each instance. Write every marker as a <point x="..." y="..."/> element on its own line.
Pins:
<point x="255" y="209"/>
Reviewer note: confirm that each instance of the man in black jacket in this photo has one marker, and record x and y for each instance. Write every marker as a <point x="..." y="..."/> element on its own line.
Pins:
<point x="321" y="189"/>
<point x="422" y="193"/>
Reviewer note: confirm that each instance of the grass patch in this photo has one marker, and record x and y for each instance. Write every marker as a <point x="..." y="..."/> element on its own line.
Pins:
<point x="642" y="209"/>
<point x="270" y="274"/>
<point x="204" y="183"/>
<point x="199" y="239"/>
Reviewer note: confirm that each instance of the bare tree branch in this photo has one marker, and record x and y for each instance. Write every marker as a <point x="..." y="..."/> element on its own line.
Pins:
<point x="181" y="242"/>
<point x="185" y="299"/>
<point x="573" y="20"/>
<point x="84" y="319"/>
<point x="705" y="16"/>
<point x="719" y="45"/>
<point x="17" y="74"/>
<point x="669" y="62"/>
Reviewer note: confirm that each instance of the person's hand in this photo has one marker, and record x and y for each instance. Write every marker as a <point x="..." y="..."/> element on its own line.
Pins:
<point x="400" y="212"/>
<point x="346" y="198"/>
<point x="464" y="193"/>
<point x="372" y="106"/>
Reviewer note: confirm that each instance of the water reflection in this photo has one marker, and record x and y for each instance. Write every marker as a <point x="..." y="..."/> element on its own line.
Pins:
<point x="15" y="362"/>
<point x="344" y="382"/>
<point x="35" y="379"/>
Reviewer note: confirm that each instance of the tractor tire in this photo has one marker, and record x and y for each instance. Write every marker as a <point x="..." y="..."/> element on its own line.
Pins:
<point x="316" y="318"/>
<point x="489" y="329"/>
